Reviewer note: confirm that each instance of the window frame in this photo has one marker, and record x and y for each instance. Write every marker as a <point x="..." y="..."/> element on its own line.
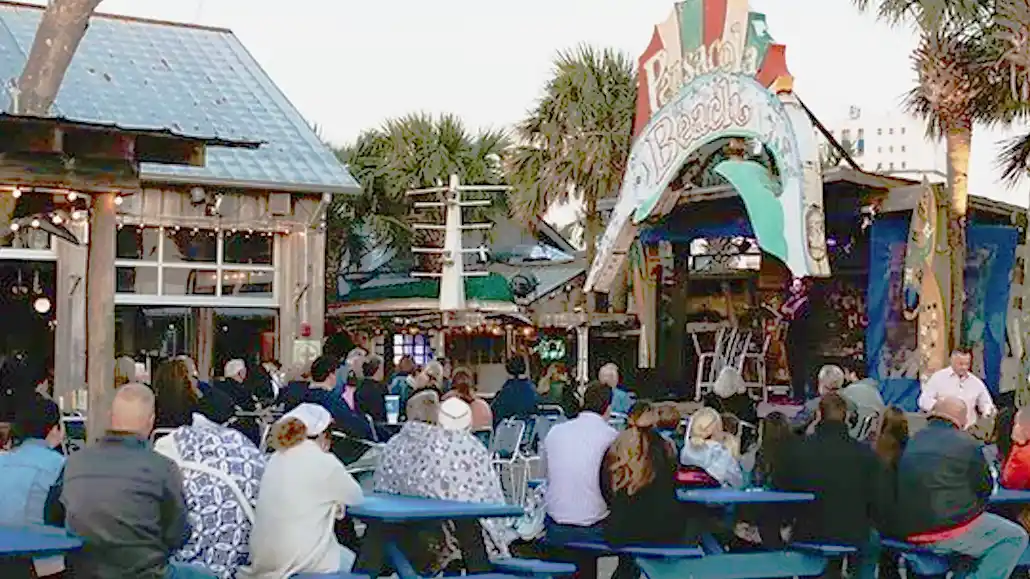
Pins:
<point x="218" y="267"/>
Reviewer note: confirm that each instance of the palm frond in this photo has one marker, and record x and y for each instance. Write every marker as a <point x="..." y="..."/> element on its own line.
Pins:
<point x="1014" y="159"/>
<point x="577" y="137"/>
<point x="953" y="90"/>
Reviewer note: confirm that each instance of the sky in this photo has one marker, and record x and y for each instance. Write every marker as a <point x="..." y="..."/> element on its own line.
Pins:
<point x="348" y="66"/>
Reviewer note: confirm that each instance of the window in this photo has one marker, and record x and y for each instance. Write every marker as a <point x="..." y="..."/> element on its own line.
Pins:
<point x="860" y="145"/>
<point x="904" y="165"/>
<point x="879" y="149"/>
<point x="188" y="263"/>
<point x="845" y="135"/>
<point x="892" y="166"/>
<point x="902" y="130"/>
<point x="416" y="346"/>
<point x="879" y="132"/>
<point x="890" y="149"/>
<point x="861" y="133"/>
<point x="903" y="148"/>
<point x="890" y="131"/>
<point x="879" y="166"/>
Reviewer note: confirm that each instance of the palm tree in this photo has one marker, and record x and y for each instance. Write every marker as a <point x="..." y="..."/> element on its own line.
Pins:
<point x="1012" y="32"/>
<point x="410" y="152"/>
<point x="575" y="142"/>
<point x="958" y="86"/>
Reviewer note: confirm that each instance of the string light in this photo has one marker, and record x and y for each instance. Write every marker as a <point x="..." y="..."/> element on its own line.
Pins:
<point x="118" y="200"/>
<point x="56" y="219"/>
<point x="72" y="196"/>
<point x="16" y="192"/>
<point x="15" y="227"/>
<point x="35" y="223"/>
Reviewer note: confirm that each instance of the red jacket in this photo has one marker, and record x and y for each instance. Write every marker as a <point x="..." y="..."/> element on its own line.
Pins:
<point x="1015" y="474"/>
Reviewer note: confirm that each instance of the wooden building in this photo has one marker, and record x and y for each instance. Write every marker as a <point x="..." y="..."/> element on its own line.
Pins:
<point x="218" y="261"/>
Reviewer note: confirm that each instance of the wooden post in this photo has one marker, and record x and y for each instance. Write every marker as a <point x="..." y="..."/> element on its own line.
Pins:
<point x="100" y="289"/>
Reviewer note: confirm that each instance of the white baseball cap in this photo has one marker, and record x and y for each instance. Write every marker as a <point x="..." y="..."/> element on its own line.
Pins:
<point x="455" y="414"/>
<point x="314" y="417"/>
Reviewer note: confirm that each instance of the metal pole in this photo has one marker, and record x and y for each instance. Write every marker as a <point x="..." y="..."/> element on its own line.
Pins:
<point x="452" y="281"/>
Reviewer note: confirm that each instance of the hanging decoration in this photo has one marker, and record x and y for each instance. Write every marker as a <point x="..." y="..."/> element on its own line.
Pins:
<point x="551" y="349"/>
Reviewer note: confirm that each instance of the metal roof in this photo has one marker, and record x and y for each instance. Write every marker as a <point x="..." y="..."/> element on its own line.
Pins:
<point x="192" y="80"/>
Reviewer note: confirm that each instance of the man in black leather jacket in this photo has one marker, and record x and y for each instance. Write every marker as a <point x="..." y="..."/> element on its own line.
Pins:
<point x="944" y="486"/>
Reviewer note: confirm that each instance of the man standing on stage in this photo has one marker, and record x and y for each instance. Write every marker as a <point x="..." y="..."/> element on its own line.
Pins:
<point x="796" y="312"/>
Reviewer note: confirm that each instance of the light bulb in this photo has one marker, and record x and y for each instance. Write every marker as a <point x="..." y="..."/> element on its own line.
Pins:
<point x="118" y="200"/>
<point x="57" y="219"/>
<point x="72" y="196"/>
<point x="35" y="223"/>
<point x="16" y="192"/>
<point x="41" y="305"/>
<point x="15" y="227"/>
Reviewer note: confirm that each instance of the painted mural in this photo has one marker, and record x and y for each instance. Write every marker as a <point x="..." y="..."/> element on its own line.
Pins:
<point x="712" y="72"/>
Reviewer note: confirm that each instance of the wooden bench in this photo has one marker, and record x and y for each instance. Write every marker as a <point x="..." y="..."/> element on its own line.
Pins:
<point x="637" y="551"/>
<point x="750" y="565"/>
<point x="919" y="560"/>
<point x="344" y="575"/>
<point x="533" y="568"/>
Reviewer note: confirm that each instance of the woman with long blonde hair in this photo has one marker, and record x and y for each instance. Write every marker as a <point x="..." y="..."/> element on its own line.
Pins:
<point x="637" y="477"/>
<point x="706" y="448"/>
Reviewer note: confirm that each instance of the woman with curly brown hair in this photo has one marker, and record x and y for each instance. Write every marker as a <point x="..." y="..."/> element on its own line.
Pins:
<point x="638" y="480"/>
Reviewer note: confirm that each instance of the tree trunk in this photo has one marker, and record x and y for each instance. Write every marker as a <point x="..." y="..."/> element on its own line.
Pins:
<point x="958" y="141"/>
<point x="60" y="31"/>
<point x="100" y="290"/>
<point x="591" y="231"/>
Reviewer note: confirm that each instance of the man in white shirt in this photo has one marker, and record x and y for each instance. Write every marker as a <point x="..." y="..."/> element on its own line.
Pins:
<point x="573" y="451"/>
<point x="956" y="381"/>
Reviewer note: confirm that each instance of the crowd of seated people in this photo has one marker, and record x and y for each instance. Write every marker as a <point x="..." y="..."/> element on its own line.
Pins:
<point x="209" y="503"/>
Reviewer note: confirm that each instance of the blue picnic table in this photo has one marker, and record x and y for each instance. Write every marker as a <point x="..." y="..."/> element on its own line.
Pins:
<point x="716" y="563"/>
<point x="388" y="514"/>
<point x="387" y="508"/>
<point x="730" y="497"/>
<point x="34" y="541"/>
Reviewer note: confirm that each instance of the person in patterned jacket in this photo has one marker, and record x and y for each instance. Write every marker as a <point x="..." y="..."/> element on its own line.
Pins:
<point x="221" y="472"/>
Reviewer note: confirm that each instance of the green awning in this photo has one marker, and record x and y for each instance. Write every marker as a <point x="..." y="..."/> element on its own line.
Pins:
<point x="493" y="287"/>
<point x="760" y="193"/>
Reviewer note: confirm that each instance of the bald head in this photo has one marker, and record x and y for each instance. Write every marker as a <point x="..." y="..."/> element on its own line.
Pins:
<point x="951" y="409"/>
<point x="133" y="410"/>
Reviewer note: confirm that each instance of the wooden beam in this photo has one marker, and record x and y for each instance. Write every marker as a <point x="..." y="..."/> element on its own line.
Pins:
<point x="100" y="290"/>
<point x="60" y="172"/>
<point x="171" y="150"/>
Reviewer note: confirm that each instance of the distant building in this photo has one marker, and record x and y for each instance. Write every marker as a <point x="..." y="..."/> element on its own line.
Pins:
<point x="891" y="142"/>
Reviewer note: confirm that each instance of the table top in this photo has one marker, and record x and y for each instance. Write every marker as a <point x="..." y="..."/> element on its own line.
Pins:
<point x="399" y="509"/>
<point x="36" y="541"/>
<point x="1010" y="497"/>
<point x="725" y="496"/>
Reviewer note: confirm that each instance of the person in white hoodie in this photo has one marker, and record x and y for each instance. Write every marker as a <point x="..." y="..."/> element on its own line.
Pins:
<point x="304" y="490"/>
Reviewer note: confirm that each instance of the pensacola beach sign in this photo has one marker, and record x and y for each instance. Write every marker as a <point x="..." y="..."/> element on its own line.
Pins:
<point x="721" y="59"/>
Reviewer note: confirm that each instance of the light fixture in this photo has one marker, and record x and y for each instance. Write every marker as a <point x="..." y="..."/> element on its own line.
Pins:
<point x="15" y="227"/>
<point x="34" y="223"/>
<point x="72" y="196"/>
<point x="16" y="192"/>
<point x="56" y="219"/>
<point x="78" y="215"/>
<point x="118" y="200"/>
<point x="41" y="305"/>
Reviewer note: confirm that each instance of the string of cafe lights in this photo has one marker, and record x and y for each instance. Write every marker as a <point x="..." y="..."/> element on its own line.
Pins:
<point x="76" y="210"/>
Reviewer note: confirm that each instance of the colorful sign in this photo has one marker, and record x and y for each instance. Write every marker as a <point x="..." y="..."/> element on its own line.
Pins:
<point x="712" y="73"/>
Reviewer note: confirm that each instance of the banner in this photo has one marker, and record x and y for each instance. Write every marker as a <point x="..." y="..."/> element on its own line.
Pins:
<point x="989" y="263"/>
<point x="896" y="333"/>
